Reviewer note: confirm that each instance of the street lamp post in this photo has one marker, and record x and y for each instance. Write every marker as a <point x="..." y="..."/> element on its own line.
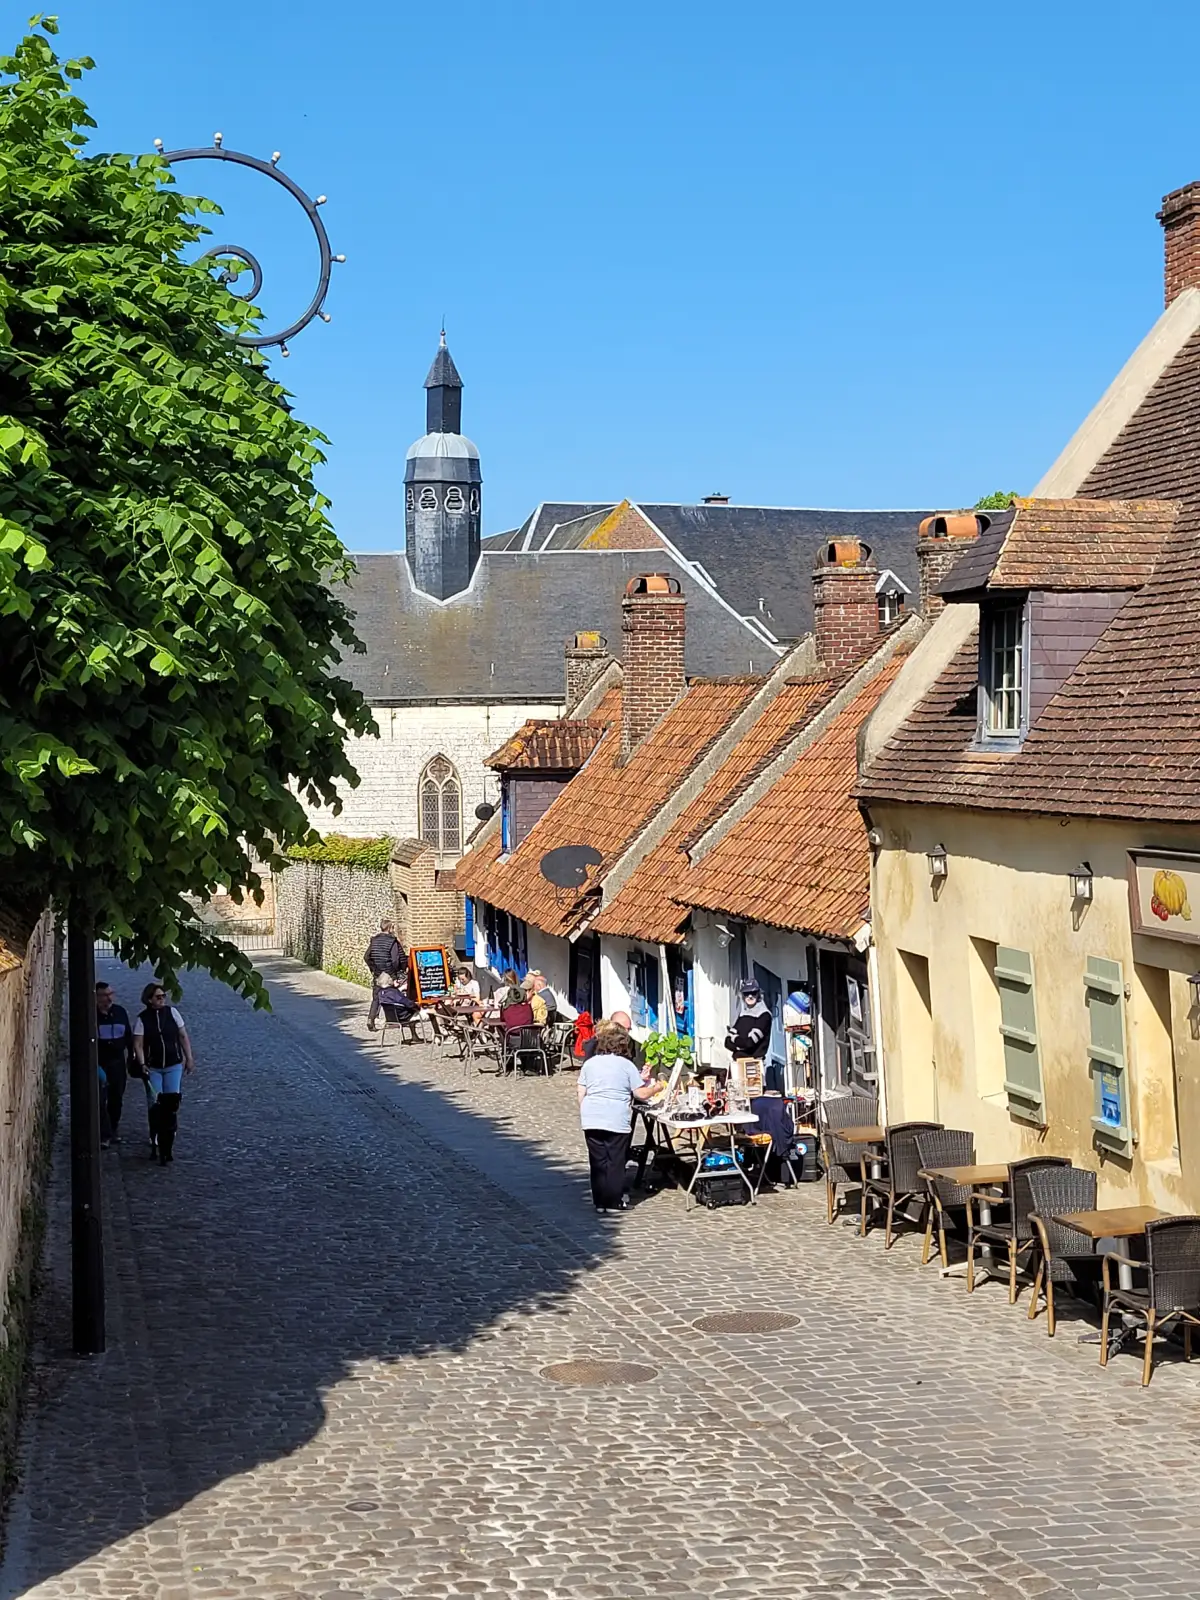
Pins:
<point x="87" y="1242"/>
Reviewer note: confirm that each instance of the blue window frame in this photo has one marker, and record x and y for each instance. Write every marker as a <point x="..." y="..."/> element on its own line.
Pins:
<point x="506" y="941"/>
<point x="643" y="988"/>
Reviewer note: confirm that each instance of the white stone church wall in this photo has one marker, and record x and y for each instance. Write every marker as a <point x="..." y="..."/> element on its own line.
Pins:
<point x="390" y="767"/>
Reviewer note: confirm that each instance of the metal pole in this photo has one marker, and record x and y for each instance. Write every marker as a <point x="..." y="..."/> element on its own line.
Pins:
<point x="87" y="1244"/>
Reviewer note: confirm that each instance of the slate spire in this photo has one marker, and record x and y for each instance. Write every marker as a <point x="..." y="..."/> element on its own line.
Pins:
<point x="442" y="490"/>
<point x="443" y="398"/>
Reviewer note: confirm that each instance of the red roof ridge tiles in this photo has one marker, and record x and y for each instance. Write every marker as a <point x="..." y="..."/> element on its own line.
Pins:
<point x="798" y="857"/>
<point x="549" y="744"/>
<point x="606" y="805"/>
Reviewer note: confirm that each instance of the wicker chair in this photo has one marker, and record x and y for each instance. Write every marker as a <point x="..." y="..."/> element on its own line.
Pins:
<point x="951" y="1147"/>
<point x="1015" y="1232"/>
<point x="1172" y="1272"/>
<point x="840" y="1158"/>
<point x="1067" y="1256"/>
<point x="900" y="1181"/>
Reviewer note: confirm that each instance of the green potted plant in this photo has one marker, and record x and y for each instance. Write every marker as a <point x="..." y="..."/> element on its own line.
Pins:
<point x="663" y="1050"/>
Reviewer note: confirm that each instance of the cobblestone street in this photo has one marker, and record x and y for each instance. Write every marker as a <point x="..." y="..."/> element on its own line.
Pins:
<point x="329" y="1319"/>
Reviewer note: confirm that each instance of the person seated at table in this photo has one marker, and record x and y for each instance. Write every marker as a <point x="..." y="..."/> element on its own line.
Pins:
<point x="515" y="1009"/>
<point x="543" y="992"/>
<point x="466" y="984"/>
<point x="509" y="992"/>
<point x="623" y="1021"/>
<point x="391" y="994"/>
<point x="536" y="1003"/>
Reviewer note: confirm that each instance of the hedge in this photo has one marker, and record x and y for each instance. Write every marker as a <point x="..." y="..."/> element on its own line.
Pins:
<point x="373" y="855"/>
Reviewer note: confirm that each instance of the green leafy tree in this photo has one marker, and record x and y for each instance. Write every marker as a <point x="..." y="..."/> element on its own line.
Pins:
<point x="1000" y="501"/>
<point x="169" y="613"/>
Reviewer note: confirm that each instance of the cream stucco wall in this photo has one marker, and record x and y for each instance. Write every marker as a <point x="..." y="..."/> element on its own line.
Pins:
<point x="1007" y="884"/>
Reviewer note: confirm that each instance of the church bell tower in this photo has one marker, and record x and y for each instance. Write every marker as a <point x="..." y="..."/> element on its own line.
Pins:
<point x="442" y="489"/>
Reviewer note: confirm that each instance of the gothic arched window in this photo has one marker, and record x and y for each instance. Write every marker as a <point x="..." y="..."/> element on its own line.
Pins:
<point x="454" y="498"/>
<point x="428" y="499"/>
<point x="441" y="806"/>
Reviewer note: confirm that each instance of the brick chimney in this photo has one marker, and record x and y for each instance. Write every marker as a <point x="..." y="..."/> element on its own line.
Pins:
<point x="585" y="655"/>
<point x="652" y="626"/>
<point x="1180" y="217"/>
<point x="845" y="611"/>
<point x="940" y="542"/>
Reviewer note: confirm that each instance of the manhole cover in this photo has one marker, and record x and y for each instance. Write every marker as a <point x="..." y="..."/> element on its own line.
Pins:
<point x="362" y="1505"/>
<point x="599" y="1374"/>
<point x="746" y="1322"/>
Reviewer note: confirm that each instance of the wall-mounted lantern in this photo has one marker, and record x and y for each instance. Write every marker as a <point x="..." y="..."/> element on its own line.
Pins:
<point x="1082" y="881"/>
<point x="937" y="863"/>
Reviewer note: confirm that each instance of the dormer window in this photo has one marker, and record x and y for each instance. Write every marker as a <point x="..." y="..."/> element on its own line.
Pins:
<point x="1003" y="674"/>
<point x="891" y="607"/>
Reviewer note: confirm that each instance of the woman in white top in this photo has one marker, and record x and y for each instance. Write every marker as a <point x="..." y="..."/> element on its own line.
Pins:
<point x="164" y="1053"/>
<point x="608" y="1085"/>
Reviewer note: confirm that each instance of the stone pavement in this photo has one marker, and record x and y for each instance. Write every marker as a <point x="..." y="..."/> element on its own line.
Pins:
<point x="329" y="1320"/>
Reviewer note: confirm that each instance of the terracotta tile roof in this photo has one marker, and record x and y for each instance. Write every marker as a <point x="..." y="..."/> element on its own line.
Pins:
<point x="606" y="805"/>
<point x="644" y="907"/>
<point x="799" y="858"/>
<point x="1121" y="738"/>
<point x="1075" y="545"/>
<point x="555" y="745"/>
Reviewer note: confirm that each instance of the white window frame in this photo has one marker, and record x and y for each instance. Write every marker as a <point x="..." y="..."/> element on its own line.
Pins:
<point x="441" y="783"/>
<point x="1007" y="730"/>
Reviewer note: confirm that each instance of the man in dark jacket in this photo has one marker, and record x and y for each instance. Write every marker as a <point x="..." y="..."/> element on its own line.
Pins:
<point x="114" y="1052"/>
<point x="385" y="953"/>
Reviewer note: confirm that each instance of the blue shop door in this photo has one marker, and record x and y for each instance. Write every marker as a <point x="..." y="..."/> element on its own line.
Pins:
<point x="772" y="993"/>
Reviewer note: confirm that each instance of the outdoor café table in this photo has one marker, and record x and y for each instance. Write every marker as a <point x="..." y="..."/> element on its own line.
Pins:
<point x="1121" y="1222"/>
<point x="980" y="1175"/>
<point x="729" y="1122"/>
<point x="869" y="1135"/>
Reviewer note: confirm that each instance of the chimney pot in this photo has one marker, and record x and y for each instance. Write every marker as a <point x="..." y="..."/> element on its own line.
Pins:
<point x="584" y="657"/>
<point x="715" y="500"/>
<point x="653" y="621"/>
<point x="941" y="539"/>
<point x="846" y="621"/>
<point x="1180" y="217"/>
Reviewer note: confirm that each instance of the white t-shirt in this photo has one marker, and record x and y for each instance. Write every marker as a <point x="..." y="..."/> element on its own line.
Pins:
<point x="139" y="1027"/>
<point x="470" y="989"/>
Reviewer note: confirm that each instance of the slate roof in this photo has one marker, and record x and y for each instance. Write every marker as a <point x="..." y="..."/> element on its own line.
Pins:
<point x="761" y="558"/>
<point x="606" y="805"/>
<point x="645" y="908"/>
<point x="503" y="637"/>
<point x="1121" y="738"/>
<point x="1068" y="545"/>
<point x="539" y="524"/>
<point x="799" y="858"/>
<point x="549" y="746"/>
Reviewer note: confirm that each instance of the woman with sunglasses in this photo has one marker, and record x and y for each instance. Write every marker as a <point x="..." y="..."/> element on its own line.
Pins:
<point x="164" y="1053"/>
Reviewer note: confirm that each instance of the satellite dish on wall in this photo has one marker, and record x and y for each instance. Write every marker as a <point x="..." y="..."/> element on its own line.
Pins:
<point x="485" y="812"/>
<point x="567" y="867"/>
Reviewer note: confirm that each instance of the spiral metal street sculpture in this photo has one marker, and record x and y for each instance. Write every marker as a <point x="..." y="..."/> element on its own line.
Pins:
<point x="270" y="169"/>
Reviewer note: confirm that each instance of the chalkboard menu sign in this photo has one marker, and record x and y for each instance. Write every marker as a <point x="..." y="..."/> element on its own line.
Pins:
<point x="430" y="973"/>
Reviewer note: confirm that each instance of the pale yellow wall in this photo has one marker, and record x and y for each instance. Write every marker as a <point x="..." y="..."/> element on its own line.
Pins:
<point x="1007" y="884"/>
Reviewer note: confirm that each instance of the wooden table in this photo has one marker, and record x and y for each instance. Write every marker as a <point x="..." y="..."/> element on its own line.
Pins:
<point x="968" y="1177"/>
<point x="871" y="1135"/>
<point x="1121" y="1222"/>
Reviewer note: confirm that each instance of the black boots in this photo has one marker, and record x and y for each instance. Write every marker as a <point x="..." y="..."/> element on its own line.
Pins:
<point x="164" y="1120"/>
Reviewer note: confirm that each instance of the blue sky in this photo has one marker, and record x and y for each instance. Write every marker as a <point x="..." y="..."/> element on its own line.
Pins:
<point x="855" y="256"/>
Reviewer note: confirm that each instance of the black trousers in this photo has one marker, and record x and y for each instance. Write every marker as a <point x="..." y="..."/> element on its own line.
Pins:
<point x="373" y="1010"/>
<point x="607" y="1154"/>
<point x="112" y="1095"/>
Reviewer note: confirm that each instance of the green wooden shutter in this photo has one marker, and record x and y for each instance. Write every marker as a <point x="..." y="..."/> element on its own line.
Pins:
<point x="1104" y="988"/>
<point x="1018" y="1029"/>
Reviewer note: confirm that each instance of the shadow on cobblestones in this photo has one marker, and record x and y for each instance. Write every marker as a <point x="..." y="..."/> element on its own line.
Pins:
<point x="311" y="1233"/>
